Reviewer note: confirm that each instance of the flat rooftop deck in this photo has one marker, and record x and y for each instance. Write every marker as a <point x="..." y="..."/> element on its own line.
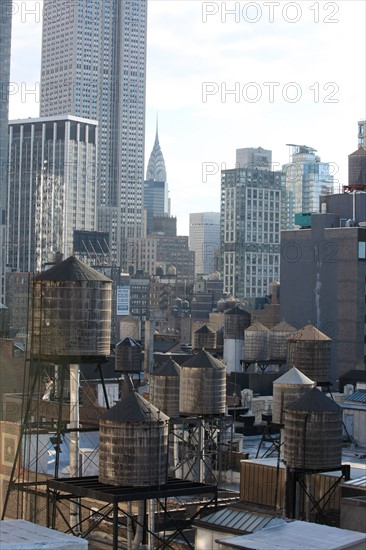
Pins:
<point x="92" y="488"/>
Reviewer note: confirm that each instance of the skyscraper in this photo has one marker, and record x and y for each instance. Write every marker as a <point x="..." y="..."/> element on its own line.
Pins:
<point x="156" y="202"/>
<point x="306" y="179"/>
<point x="204" y="240"/>
<point x="250" y="224"/>
<point x="251" y="157"/>
<point x="51" y="188"/>
<point x="5" y="43"/>
<point x="361" y="133"/>
<point x="94" y="66"/>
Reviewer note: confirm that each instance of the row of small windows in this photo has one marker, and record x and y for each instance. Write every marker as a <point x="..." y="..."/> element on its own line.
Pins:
<point x="265" y="216"/>
<point x="262" y="205"/>
<point x="262" y="238"/>
<point x="263" y="226"/>
<point x="262" y="194"/>
<point x="262" y="259"/>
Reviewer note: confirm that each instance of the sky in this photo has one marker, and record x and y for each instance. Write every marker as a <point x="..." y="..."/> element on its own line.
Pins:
<point x="227" y="75"/>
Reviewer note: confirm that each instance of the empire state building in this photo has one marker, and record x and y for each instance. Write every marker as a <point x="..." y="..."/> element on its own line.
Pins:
<point x="94" y="66"/>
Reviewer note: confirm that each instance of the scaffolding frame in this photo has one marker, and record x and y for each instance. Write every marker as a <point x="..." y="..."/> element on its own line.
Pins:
<point x="201" y="445"/>
<point x="296" y="476"/>
<point x="20" y="478"/>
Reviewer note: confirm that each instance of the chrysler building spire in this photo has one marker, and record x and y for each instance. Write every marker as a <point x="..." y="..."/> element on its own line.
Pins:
<point x="156" y="170"/>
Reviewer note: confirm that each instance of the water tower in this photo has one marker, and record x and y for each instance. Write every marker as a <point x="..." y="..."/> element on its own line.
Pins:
<point x="256" y="343"/>
<point x="70" y="325"/>
<point x="309" y="350"/>
<point x="204" y="338"/>
<point x="286" y="389"/>
<point x="164" y="388"/>
<point x="312" y="443"/>
<point x="236" y="320"/>
<point x="128" y="356"/>
<point x="133" y="442"/>
<point x="202" y="405"/>
<point x="71" y="312"/>
<point x="202" y="385"/>
<point x="279" y="335"/>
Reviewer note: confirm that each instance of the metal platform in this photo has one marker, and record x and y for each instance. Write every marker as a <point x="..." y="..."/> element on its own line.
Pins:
<point x="90" y="487"/>
<point x="78" y="488"/>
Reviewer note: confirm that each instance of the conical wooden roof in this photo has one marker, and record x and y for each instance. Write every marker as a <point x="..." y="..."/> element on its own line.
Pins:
<point x="283" y="327"/>
<point x="360" y="152"/>
<point x="294" y="377"/>
<point x="204" y="330"/>
<point x="71" y="269"/>
<point x="237" y="310"/>
<point x="314" y="401"/>
<point x="132" y="407"/>
<point x="204" y="360"/>
<point x="309" y="333"/>
<point x="128" y="343"/>
<point x="257" y="327"/>
<point x="169" y="368"/>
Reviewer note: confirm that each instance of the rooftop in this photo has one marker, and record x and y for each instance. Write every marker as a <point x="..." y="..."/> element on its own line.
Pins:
<point x="297" y="535"/>
<point x="237" y="519"/>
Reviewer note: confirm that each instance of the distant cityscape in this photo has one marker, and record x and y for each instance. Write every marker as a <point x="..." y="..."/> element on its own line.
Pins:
<point x="281" y="261"/>
<point x="73" y="184"/>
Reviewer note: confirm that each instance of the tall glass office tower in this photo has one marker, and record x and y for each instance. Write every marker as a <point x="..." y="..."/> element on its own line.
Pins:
<point x="94" y="66"/>
<point x="306" y="179"/>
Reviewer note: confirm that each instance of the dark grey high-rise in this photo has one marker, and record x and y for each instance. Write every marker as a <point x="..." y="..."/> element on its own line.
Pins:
<point x="94" y="66"/>
<point x="323" y="273"/>
<point x="5" y="43"/>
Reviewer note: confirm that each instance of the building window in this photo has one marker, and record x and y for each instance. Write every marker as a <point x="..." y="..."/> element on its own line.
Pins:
<point x="361" y="251"/>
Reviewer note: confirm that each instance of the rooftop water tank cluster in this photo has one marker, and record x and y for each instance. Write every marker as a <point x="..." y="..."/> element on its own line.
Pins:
<point x="134" y="433"/>
<point x="196" y="388"/>
<point x="263" y="344"/>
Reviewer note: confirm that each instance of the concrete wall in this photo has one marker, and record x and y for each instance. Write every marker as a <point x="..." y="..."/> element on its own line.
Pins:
<point x="355" y="423"/>
<point x="205" y="538"/>
<point x="353" y="514"/>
